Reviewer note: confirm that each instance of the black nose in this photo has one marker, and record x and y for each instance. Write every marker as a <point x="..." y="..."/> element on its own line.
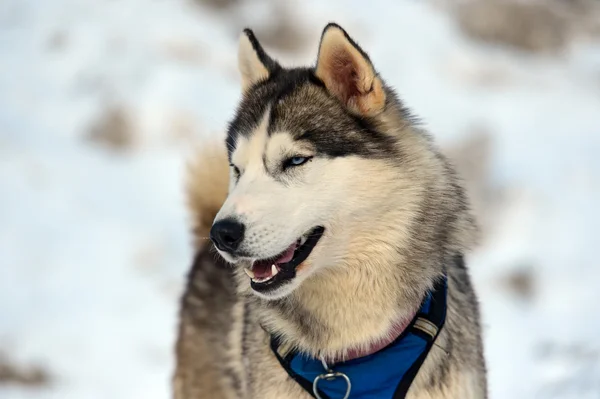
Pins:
<point x="227" y="234"/>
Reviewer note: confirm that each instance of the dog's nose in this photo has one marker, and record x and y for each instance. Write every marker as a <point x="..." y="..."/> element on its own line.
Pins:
<point x="227" y="234"/>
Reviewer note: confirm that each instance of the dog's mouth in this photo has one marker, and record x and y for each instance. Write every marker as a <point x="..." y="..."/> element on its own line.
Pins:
<point x="269" y="274"/>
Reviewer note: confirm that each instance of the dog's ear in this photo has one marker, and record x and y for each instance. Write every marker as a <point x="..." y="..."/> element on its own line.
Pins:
<point x="254" y="64"/>
<point x="348" y="74"/>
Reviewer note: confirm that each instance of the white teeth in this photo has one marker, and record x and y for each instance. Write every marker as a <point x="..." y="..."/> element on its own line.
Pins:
<point x="262" y="280"/>
<point x="303" y="240"/>
<point x="250" y="273"/>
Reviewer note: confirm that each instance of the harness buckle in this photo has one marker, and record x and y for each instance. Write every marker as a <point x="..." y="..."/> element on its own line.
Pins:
<point x="331" y="375"/>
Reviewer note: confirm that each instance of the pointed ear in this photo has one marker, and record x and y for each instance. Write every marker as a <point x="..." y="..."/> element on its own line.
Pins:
<point x="254" y="64"/>
<point x="348" y="74"/>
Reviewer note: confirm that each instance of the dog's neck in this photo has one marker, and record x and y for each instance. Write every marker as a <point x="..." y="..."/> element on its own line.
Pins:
<point x="324" y="321"/>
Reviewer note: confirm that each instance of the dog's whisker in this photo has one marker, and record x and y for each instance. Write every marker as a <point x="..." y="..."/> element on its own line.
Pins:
<point x="442" y="348"/>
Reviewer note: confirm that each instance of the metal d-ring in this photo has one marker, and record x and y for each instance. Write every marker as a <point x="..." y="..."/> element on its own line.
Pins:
<point x="329" y="376"/>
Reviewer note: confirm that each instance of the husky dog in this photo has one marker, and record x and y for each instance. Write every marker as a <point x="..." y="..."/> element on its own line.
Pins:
<point x="334" y="217"/>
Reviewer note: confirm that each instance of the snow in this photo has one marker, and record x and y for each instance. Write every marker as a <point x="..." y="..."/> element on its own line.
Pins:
<point x="95" y="242"/>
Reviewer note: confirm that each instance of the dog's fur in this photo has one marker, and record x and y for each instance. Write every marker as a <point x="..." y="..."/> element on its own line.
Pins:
<point x="394" y="215"/>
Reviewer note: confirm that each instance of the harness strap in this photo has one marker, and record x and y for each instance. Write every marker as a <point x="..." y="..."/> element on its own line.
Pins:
<point x="428" y="327"/>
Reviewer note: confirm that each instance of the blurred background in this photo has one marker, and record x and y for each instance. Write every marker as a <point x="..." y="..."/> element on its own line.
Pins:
<point x="103" y="101"/>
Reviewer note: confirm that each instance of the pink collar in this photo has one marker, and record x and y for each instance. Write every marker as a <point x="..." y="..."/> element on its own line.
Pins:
<point x="397" y="329"/>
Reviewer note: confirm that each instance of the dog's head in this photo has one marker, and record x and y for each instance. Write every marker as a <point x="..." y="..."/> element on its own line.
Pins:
<point x="306" y="150"/>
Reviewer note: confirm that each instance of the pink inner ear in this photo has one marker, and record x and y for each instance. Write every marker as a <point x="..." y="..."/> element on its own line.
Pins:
<point x="343" y="73"/>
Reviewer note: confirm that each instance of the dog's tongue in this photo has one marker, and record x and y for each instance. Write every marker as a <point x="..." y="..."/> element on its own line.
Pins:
<point x="262" y="268"/>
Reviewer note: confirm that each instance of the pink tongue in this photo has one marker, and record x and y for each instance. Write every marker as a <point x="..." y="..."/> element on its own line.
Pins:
<point x="287" y="255"/>
<point x="262" y="268"/>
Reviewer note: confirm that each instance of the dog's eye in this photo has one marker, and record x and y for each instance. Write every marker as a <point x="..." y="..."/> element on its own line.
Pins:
<point x="295" y="161"/>
<point x="298" y="160"/>
<point x="236" y="170"/>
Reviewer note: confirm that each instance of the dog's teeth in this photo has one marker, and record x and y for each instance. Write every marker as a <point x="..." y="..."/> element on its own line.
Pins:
<point x="274" y="270"/>
<point x="249" y="272"/>
<point x="303" y="240"/>
<point x="262" y="280"/>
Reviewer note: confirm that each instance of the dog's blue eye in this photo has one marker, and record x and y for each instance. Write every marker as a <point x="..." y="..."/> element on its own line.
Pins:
<point x="298" y="161"/>
<point x="295" y="161"/>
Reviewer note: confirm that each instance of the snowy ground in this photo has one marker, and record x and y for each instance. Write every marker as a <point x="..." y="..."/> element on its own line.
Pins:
<point x="93" y="237"/>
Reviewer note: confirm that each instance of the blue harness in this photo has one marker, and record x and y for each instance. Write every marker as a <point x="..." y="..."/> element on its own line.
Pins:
<point x="386" y="374"/>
